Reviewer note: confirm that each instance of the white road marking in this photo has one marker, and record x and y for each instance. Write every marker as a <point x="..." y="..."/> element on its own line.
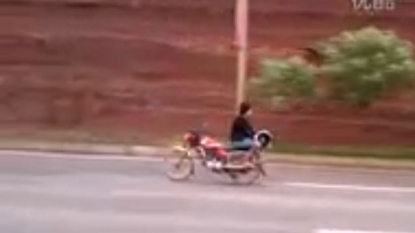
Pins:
<point x="54" y="190"/>
<point x="146" y="158"/>
<point x="95" y="220"/>
<point x="119" y="157"/>
<point x="74" y="156"/>
<point x="351" y="187"/>
<point x="273" y="200"/>
<point x="350" y="231"/>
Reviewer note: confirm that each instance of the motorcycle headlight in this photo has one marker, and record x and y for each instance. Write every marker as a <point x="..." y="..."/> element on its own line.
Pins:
<point x="264" y="137"/>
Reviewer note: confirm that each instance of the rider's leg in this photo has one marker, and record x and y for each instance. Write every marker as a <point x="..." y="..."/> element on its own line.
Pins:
<point x="210" y="153"/>
<point x="218" y="158"/>
<point x="246" y="144"/>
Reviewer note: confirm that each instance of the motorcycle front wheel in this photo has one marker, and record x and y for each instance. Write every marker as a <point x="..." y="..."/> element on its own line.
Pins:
<point x="180" y="169"/>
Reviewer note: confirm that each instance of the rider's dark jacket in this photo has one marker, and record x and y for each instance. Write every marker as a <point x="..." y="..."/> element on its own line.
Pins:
<point x="241" y="129"/>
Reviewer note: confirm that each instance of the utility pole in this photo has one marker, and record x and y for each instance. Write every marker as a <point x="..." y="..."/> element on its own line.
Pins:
<point x="241" y="39"/>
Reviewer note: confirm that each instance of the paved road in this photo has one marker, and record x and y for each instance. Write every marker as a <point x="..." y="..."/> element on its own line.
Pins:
<point x="93" y="194"/>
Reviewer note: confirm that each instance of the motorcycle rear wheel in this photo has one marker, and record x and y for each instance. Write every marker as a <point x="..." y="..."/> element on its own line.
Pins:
<point x="247" y="178"/>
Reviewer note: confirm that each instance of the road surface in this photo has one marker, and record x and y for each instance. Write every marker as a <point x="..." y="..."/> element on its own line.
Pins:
<point x="44" y="193"/>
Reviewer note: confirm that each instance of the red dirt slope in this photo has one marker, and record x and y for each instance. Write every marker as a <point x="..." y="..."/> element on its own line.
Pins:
<point x="163" y="66"/>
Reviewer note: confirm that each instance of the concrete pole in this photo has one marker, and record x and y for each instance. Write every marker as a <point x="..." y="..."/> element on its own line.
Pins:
<point x="241" y="37"/>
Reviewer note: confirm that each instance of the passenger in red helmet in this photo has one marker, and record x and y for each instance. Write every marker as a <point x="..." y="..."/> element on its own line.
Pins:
<point x="215" y="151"/>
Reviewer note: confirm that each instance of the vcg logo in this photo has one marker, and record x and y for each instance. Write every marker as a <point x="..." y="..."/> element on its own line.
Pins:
<point x="373" y="5"/>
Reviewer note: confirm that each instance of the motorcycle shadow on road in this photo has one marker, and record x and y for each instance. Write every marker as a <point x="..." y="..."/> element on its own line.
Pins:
<point x="206" y="178"/>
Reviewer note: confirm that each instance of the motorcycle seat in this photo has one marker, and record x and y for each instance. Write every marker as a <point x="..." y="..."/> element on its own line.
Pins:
<point x="231" y="149"/>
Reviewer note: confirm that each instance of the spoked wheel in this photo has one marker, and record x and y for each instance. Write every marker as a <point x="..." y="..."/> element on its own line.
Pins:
<point x="181" y="168"/>
<point x="247" y="177"/>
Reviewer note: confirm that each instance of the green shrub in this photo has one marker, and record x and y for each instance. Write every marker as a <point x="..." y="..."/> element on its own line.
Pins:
<point x="361" y="65"/>
<point x="282" y="80"/>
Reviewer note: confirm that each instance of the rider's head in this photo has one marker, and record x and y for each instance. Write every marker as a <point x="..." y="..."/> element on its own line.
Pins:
<point x="245" y="109"/>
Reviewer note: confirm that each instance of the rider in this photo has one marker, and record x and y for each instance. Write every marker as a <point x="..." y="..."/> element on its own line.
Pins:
<point x="242" y="132"/>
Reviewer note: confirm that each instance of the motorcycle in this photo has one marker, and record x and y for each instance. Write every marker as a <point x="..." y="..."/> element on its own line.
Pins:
<point x="242" y="166"/>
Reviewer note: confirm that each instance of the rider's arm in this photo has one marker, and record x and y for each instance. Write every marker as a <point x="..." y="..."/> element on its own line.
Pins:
<point x="250" y="132"/>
